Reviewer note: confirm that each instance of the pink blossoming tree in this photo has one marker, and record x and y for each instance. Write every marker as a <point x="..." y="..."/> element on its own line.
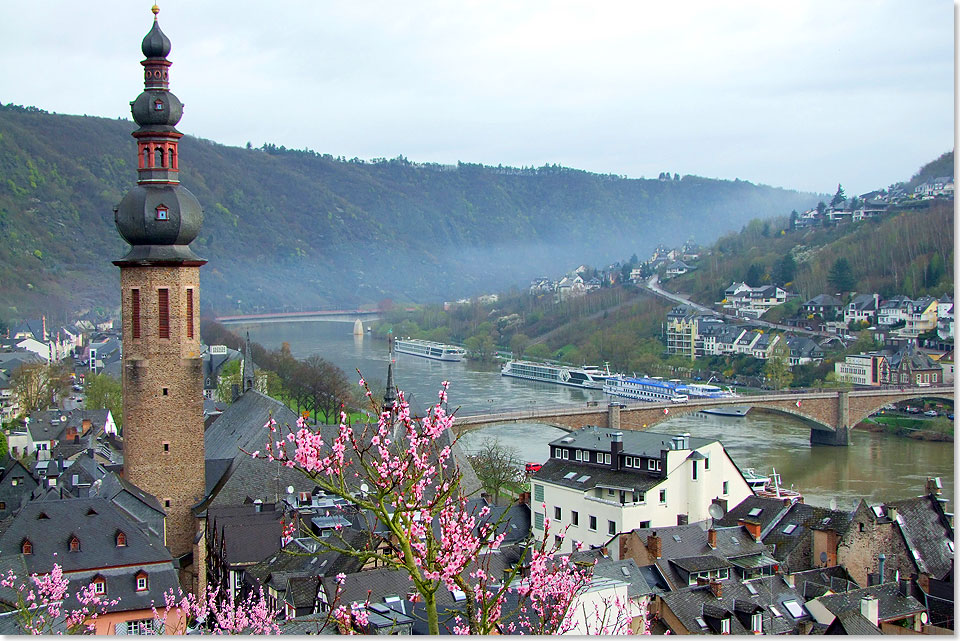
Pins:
<point x="402" y="474"/>
<point x="40" y="604"/>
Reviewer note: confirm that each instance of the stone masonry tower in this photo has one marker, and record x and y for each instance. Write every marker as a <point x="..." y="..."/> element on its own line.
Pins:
<point x="159" y="280"/>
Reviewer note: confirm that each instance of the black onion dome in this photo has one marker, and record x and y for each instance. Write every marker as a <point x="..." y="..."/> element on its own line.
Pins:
<point x="156" y="108"/>
<point x="155" y="44"/>
<point x="138" y="223"/>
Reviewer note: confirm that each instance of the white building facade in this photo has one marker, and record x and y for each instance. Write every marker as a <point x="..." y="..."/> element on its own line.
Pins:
<point x="599" y="483"/>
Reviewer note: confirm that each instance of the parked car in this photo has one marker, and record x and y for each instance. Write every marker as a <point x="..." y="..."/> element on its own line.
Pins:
<point x="912" y="410"/>
<point x="533" y="467"/>
<point x="930" y="413"/>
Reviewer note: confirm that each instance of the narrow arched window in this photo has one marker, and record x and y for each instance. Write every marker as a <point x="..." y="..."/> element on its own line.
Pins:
<point x="146" y="157"/>
<point x="158" y="160"/>
<point x="173" y="158"/>
<point x="121" y="540"/>
<point x="26" y="547"/>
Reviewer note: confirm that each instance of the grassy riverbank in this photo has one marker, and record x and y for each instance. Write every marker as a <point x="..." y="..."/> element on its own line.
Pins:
<point x="933" y="429"/>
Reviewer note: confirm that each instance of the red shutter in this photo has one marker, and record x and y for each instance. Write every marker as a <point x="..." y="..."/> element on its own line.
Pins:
<point x="163" y="324"/>
<point x="189" y="313"/>
<point x="135" y="312"/>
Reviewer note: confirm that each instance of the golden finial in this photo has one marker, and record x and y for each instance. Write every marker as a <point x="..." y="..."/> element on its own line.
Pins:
<point x="155" y="9"/>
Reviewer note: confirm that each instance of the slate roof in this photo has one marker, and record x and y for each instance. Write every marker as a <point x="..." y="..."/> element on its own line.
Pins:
<point x="805" y="518"/>
<point x="634" y="443"/>
<point x="698" y="601"/>
<point x="554" y="471"/>
<point x="94" y="521"/>
<point x="14" y="495"/>
<point x="851" y="622"/>
<point x="928" y="533"/>
<point x="771" y="510"/>
<point x="247" y="536"/>
<point x="701" y="563"/>
<point x="864" y="302"/>
<point x="627" y="571"/>
<point x="823" y="300"/>
<point x="732" y="542"/>
<point x="241" y="426"/>
<point x="892" y="604"/>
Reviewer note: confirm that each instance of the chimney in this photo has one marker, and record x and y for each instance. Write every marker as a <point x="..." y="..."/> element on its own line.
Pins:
<point x="701" y="581"/>
<point x="753" y="527"/>
<point x="717" y="589"/>
<point x="712" y="538"/>
<point x="486" y="497"/>
<point x="892" y="513"/>
<point x="870" y="609"/>
<point x="683" y="519"/>
<point x="790" y="580"/>
<point x="605" y="552"/>
<point x="616" y="446"/>
<point x="523" y="498"/>
<point x="85" y="425"/>
<point x="234" y="392"/>
<point x="654" y="545"/>
<point x="904" y="587"/>
<point x="934" y="486"/>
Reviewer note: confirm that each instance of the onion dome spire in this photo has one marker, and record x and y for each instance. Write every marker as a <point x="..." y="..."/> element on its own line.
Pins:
<point x="158" y="217"/>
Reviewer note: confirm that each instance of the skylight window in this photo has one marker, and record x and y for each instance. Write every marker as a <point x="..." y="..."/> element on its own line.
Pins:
<point x="755" y="511"/>
<point x="790" y="528"/>
<point x="583" y="479"/>
<point x="794" y="608"/>
<point x="624" y="571"/>
<point x="569" y="475"/>
<point x="676" y="537"/>
<point x="750" y="588"/>
<point x="878" y="510"/>
<point x="701" y="623"/>
<point x="735" y="540"/>
<point x="775" y="611"/>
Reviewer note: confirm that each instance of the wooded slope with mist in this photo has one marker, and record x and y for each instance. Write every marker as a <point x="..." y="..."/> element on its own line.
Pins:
<point x="297" y="228"/>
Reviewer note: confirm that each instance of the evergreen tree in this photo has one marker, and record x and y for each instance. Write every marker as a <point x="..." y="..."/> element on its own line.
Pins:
<point x="755" y="274"/>
<point x="785" y="269"/>
<point x="839" y="197"/>
<point x="841" y="276"/>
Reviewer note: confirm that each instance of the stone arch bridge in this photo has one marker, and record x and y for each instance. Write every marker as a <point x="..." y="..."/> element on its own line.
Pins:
<point x="831" y="414"/>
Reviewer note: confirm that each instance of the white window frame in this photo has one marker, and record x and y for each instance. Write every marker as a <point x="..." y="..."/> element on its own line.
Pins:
<point x="142" y="584"/>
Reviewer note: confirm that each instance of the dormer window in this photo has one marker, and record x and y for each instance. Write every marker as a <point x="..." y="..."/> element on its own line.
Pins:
<point x="141" y="581"/>
<point x="26" y="547"/>
<point x="100" y="585"/>
<point x="756" y="623"/>
<point x="725" y="626"/>
<point x="163" y="213"/>
<point x="121" y="540"/>
<point x="74" y="544"/>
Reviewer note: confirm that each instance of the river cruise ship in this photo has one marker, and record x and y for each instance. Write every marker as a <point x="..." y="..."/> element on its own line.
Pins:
<point x="429" y="349"/>
<point x="654" y="390"/>
<point x="588" y="376"/>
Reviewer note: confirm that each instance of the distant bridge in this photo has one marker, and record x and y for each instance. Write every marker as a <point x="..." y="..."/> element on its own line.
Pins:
<point x="831" y="414"/>
<point x="330" y="315"/>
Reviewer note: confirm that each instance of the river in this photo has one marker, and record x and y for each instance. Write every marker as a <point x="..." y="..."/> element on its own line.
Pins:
<point x="876" y="467"/>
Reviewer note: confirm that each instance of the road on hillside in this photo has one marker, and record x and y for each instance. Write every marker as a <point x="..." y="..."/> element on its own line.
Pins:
<point x="653" y="285"/>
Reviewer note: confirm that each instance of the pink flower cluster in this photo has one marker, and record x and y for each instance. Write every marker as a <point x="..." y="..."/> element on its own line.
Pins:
<point x="40" y="607"/>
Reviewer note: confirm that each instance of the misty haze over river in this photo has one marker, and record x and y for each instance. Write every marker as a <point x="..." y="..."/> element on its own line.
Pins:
<point x="877" y="467"/>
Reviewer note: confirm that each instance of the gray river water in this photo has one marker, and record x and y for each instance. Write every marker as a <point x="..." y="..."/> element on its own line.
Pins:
<point x="876" y="467"/>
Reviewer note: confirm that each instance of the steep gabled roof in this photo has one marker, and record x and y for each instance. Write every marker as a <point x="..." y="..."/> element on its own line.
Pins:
<point x="928" y="534"/>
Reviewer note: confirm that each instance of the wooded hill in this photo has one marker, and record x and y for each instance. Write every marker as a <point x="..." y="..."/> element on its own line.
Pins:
<point x="296" y="228"/>
<point x="909" y="252"/>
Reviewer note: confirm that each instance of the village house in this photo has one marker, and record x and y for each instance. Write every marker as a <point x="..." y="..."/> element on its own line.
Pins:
<point x="599" y="483"/>
<point x="823" y="305"/>
<point x="863" y="308"/>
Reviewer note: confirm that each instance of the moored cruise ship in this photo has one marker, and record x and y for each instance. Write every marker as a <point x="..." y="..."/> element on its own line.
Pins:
<point x="588" y="376"/>
<point x="429" y="349"/>
<point x="646" y="389"/>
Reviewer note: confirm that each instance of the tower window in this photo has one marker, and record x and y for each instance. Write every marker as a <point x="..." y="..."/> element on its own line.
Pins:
<point x="173" y="158"/>
<point x="166" y="391"/>
<point x="163" y="322"/>
<point x="158" y="105"/>
<point x="162" y="212"/>
<point x="135" y="312"/>
<point x="146" y="158"/>
<point x="158" y="162"/>
<point x="166" y="502"/>
<point x="166" y="447"/>
<point x="189" y="313"/>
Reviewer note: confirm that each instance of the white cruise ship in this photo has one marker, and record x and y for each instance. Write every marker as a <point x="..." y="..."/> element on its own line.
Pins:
<point x="429" y="349"/>
<point x="646" y="389"/>
<point x="588" y="376"/>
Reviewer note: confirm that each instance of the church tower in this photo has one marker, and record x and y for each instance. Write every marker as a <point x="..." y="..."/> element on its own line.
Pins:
<point x="159" y="280"/>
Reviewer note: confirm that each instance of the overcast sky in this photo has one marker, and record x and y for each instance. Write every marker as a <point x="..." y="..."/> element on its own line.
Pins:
<point x="796" y="94"/>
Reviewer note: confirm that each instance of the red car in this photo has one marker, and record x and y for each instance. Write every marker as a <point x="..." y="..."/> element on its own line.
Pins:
<point x="533" y="467"/>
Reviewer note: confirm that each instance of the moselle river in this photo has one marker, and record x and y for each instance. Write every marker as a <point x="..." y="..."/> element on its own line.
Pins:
<point x="876" y="467"/>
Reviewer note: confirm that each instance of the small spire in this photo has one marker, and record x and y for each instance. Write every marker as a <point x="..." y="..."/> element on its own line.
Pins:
<point x="249" y="379"/>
